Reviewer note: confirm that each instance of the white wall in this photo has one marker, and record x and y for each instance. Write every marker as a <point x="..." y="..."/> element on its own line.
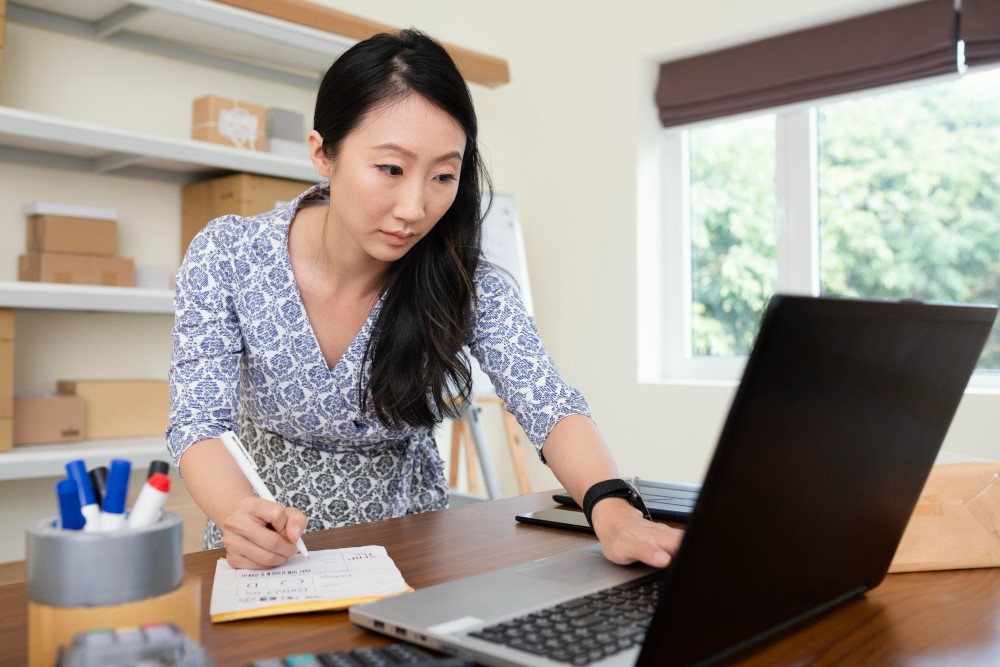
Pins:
<point x="565" y="137"/>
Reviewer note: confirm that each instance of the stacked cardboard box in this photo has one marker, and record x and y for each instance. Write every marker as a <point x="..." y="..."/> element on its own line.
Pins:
<point x="239" y="194"/>
<point x="45" y="419"/>
<point x="6" y="377"/>
<point x="3" y="31"/>
<point x="73" y="244"/>
<point x="119" y="408"/>
<point x="229" y="122"/>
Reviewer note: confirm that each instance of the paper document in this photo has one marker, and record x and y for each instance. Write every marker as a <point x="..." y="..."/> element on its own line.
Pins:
<point x="328" y="580"/>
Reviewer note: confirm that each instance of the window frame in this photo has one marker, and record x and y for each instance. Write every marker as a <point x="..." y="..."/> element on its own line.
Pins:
<point x="796" y="227"/>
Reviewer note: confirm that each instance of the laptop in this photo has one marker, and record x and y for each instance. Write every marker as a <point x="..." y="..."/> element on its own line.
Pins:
<point x="830" y="437"/>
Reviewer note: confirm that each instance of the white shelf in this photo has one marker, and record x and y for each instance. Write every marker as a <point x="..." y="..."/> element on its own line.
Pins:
<point x="50" y="141"/>
<point x="209" y="33"/>
<point x="89" y="298"/>
<point x="34" y="461"/>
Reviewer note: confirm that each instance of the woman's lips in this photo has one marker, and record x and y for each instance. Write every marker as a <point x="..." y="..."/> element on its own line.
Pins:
<point x="397" y="238"/>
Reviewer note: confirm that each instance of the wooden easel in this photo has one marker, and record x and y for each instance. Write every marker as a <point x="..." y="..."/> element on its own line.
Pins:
<point x="461" y="433"/>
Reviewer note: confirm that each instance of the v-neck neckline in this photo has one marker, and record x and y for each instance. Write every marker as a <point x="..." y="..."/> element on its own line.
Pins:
<point x="317" y="350"/>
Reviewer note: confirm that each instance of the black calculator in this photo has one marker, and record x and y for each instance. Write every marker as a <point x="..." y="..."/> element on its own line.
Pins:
<point x="393" y="655"/>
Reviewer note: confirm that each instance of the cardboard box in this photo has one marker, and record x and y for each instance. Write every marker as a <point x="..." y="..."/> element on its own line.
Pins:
<point x="118" y="408"/>
<point x="69" y="210"/>
<point x="6" y="324"/>
<point x="956" y="523"/>
<point x="76" y="269"/>
<point x="48" y="419"/>
<point x="6" y="433"/>
<point x="6" y="363"/>
<point x="81" y="236"/>
<point x="222" y="120"/>
<point x="6" y="379"/>
<point x="239" y="194"/>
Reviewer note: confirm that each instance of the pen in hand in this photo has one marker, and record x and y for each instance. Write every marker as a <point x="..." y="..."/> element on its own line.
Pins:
<point x="249" y="470"/>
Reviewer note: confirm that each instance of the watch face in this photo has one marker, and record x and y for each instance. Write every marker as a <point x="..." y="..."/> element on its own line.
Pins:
<point x="635" y="499"/>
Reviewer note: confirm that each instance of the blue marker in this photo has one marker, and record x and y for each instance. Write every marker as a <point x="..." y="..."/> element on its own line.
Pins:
<point x="113" y="507"/>
<point x="77" y="472"/>
<point x="70" y="516"/>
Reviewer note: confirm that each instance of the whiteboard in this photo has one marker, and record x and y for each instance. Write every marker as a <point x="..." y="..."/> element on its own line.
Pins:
<point x="503" y="245"/>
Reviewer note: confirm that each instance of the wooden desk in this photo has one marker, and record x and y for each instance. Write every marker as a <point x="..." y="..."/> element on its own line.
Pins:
<point x="911" y="619"/>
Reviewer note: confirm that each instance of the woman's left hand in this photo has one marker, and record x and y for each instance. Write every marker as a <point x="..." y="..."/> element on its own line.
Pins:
<point x="626" y="536"/>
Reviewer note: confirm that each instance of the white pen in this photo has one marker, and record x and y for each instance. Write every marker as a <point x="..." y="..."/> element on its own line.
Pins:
<point x="249" y="469"/>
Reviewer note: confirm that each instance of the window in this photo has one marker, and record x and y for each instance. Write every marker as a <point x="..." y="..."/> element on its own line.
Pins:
<point x="890" y="194"/>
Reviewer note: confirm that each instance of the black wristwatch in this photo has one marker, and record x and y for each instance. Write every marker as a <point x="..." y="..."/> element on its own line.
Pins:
<point x="613" y="488"/>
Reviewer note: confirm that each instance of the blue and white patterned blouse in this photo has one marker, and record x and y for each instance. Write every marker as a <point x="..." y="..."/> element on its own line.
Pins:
<point x="243" y="345"/>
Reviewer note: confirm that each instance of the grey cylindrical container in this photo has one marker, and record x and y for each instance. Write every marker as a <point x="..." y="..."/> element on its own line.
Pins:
<point x="72" y="568"/>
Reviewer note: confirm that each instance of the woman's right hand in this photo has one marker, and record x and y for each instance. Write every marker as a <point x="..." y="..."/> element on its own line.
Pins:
<point x="260" y="534"/>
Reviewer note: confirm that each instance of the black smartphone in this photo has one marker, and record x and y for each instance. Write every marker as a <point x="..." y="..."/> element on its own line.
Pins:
<point x="557" y="518"/>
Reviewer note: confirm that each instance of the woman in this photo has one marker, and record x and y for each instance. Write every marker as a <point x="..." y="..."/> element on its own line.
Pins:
<point x="328" y="333"/>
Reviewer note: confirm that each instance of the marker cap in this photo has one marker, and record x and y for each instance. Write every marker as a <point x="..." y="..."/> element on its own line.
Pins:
<point x="70" y="516"/>
<point x="77" y="472"/>
<point x="114" y="496"/>
<point x="160" y="482"/>
<point x="158" y="466"/>
<point x="99" y="480"/>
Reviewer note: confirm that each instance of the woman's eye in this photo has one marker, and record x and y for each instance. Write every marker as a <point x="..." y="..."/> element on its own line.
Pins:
<point x="446" y="178"/>
<point x="391" y="169"/>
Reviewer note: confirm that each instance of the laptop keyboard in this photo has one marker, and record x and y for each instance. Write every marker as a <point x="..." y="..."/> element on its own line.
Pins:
<point x="583" y="630"/>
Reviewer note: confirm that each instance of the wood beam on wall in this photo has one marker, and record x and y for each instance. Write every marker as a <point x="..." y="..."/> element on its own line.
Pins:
<point x="477" y="67"/>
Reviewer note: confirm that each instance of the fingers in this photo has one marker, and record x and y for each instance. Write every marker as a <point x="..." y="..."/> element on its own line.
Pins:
<point x="626" y="537"/>
<point x="249" y="538"/>
<point x="291" y="524"/>
<point x="641" y="540"/>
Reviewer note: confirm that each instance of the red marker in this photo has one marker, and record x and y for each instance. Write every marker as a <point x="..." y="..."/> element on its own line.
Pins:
<point x="149" y="504"/>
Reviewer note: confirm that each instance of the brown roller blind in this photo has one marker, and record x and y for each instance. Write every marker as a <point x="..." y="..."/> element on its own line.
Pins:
<point x="900" y="44"/>
<point x="980" y="23"/>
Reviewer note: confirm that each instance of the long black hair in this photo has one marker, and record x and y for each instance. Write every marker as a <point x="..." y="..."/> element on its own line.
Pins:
<point x="429" y="299"/>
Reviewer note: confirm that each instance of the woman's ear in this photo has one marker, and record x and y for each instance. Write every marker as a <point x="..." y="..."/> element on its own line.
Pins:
<point x="318" y="156"/>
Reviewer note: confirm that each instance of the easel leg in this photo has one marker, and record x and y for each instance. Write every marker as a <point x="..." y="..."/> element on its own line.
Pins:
<point x="471" y="460"/>
<point x="510" y="427"/>
<point x="457" y="427"/>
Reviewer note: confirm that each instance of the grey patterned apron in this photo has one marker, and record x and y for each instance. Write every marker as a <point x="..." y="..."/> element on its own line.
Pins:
<point x="345" y="487"/>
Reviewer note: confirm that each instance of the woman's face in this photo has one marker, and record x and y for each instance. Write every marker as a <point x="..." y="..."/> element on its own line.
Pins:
<point x="396" y="175"/>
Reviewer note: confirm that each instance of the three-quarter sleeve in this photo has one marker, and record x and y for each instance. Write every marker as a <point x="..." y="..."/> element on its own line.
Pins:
<point x="205" y="368"/>
<point x="505" y="341"/>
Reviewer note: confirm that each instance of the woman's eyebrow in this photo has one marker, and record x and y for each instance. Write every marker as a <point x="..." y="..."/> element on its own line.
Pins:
<point x="405" y="152"/>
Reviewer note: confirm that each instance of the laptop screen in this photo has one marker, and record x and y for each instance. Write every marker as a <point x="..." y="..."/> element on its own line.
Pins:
<point x="830" y="437"/>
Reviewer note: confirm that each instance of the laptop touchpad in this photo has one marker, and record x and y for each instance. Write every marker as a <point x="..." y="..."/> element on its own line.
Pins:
<point x="585" y="569"/>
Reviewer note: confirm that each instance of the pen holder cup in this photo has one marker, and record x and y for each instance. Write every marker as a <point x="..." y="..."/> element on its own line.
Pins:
<point x="79" y="581"/>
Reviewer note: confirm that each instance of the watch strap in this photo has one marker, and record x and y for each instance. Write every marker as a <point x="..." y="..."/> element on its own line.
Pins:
<point x="613" y="488"/>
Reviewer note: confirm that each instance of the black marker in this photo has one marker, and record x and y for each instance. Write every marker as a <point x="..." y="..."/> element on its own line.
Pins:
<point x="158" y="466"/>
<point x="99" y="480"/>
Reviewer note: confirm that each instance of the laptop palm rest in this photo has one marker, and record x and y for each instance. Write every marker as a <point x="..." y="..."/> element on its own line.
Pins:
<point x="497" y="594"/>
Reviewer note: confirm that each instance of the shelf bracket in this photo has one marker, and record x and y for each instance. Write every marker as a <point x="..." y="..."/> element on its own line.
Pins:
<point x="115" y="21"/>
<point x="111" y="162"/>
<point x="112" y="30"/>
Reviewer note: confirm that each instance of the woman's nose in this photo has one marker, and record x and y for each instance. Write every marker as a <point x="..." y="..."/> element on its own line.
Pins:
<point x="410" y="206"/>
